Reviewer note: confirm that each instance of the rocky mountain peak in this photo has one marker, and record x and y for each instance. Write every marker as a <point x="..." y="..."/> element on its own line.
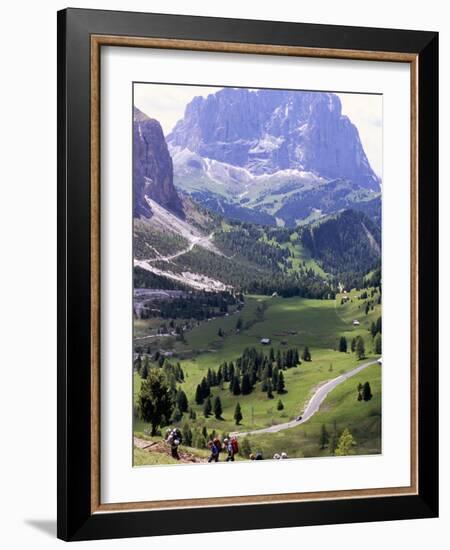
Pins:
<point x="152" y="168"/>
<point x="266" y="131"/>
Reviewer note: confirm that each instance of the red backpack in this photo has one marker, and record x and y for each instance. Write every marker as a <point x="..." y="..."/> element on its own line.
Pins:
<point x="234" y="445"/>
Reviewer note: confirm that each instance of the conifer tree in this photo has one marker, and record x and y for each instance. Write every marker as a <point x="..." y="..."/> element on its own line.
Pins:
<point x="236" y="387"/>
<point x="378" y="325"/>
<point x="367" y="392"/>
<point x="219" y="375"/>
<point x="206" y="390"/>
<point x="345" y="444"/>
<point x="269" y="367"/>
<point x="343" y="344"/>
<point x="265" y="378"/>
<point x="360" y="348"/>
<point x="217" y="407"/>
<point x="280" y="405"/>
<point x="199" y="395"/>
<point x="210" y="377"/>
<point x="231" y="370"/>
<point x="280" y="384"/>
<point x="306" y="355"/>
<point x="207" y="407"/>
<point x="269" y="389"/>
<point x="377" y="344"/>
<point x="155" y="401"/>
<point x="278" y="359"/>
<point x="226" y="373"/>
<point x="246" y="385"/>
<point x="271" y="355"/>
<point x="252" y="375"/>
<point x="182" y="401"/>
<point x="238" y="414"/>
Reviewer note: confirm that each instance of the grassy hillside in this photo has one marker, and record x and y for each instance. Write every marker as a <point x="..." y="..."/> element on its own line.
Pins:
<point x="288" y="322"/>
<point x="340" y="410"/>
<point x="347" y="244"/>
<point x="159" y="453"/>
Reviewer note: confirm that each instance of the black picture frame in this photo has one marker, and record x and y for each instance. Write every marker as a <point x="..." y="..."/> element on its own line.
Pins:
<point x="75" y="518"/>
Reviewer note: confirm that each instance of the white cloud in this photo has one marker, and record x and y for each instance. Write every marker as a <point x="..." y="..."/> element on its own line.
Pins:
<point x="166" y="102"/>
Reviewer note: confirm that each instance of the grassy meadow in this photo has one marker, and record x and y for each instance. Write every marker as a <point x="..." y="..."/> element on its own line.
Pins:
<point x="288" y="322"/>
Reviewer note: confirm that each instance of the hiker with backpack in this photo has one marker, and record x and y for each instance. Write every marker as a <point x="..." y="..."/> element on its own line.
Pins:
<point x="218" y="444"/>
<point x="257" y="456"/>
<point x="214" y="457"/>
<point x="232" y="448"/>
<point x="174" y="439"/>
<point x="229" y="449"/>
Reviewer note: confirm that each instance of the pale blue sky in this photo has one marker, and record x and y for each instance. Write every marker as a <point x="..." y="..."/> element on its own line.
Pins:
<point x="166" y="103"/>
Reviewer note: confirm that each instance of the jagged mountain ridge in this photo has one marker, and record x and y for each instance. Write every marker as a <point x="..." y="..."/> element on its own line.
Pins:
<point x="266" y="131"/>
<point x="176" y="239"/>
<point x="152" y="168"/>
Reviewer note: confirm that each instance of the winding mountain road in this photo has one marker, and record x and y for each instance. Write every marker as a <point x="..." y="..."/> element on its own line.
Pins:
<point x="314" y="403"/>
<point x="202" y="241"/>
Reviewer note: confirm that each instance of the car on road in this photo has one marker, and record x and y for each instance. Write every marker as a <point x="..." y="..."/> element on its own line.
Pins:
<point x="298" y="418"/>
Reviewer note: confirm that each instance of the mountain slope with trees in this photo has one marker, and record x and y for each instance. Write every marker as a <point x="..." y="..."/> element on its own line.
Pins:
<point x="347" y="245"/>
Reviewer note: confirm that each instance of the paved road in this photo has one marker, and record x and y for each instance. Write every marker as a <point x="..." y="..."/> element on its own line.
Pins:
<point x="314" y="403"/>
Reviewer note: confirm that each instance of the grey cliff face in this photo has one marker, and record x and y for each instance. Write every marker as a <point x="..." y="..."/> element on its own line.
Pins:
<point x="266" y="131"/>
<point x="152" y="168"/>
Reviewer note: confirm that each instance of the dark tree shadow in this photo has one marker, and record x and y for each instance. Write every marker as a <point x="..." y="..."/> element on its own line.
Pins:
<point x="46" y="526"/>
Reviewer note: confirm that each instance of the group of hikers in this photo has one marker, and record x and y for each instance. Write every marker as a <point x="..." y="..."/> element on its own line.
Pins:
<point x="229" y="446"/>
<point x="277" y="456"/>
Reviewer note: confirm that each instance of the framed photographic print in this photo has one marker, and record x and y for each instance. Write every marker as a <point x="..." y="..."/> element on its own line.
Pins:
<point x="247" y="274"/>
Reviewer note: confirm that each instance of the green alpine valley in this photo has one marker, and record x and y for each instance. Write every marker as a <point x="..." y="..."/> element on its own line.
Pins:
<point x="257" y="301"/>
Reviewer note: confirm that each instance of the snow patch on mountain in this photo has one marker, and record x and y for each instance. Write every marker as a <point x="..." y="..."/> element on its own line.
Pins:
<point x="236" y="180"/>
